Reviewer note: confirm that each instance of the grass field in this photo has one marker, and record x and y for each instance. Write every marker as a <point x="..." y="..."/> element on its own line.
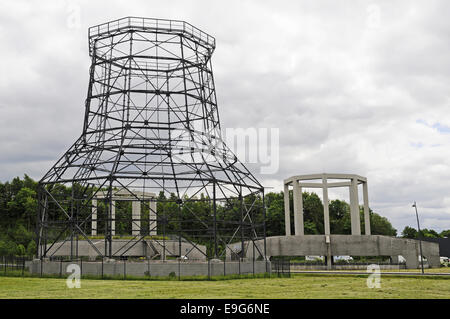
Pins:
<point x="298" y="286"/>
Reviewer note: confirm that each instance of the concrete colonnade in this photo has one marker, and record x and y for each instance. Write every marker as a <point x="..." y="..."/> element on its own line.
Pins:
<point x="302" y="181"/>
<point x="136" y="212"/>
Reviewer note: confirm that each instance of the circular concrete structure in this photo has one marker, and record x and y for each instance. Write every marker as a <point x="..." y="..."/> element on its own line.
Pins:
<point x="351" y="181"/>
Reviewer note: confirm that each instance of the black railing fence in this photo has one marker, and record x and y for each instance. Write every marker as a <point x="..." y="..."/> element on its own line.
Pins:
<point x="282" y="268"/>
<point x="146" y="268"/>
<point x="13" y="264"/>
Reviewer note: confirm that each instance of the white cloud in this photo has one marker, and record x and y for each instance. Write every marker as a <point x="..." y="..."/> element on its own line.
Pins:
<point x="350" y="91"/>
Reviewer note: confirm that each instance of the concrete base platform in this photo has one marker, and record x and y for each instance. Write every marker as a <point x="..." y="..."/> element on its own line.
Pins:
<point x="129" y="248"/>
<point x="150" y="269"/>
<point x="343" y="245"/>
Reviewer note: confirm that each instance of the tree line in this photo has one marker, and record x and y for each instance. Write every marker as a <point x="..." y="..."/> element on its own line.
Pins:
<point x="18" y="209"/>
<point x="411" y="232"/>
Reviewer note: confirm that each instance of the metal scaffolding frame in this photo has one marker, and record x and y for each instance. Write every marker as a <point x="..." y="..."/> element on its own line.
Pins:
<point x="151" y="125"/>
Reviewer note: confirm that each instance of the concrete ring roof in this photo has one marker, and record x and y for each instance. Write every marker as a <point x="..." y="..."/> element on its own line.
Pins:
<point x="290" y="180"/>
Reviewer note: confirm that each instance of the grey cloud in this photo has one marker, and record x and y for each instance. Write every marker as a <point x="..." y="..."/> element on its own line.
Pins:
<point x="345" y="96"/>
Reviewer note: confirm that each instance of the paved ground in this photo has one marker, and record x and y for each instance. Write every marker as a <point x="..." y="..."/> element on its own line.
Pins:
<point x="365" y="273"/>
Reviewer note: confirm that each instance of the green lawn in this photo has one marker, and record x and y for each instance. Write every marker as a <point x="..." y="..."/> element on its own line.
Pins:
<point x="298" y="286"/>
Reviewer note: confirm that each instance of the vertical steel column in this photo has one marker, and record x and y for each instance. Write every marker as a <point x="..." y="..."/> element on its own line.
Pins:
<point x="241" y="201"/>
<point x="71" y="226"/>
<point x="215" y="220"/>
<point x="39" y="223"/>
<point x="264" y="226"/>
<point x="108" y="235"/>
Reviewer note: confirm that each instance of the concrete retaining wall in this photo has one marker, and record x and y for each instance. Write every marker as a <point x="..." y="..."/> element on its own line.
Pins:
<point x="346" y="245"/>
<point x="154" y="269"/>
<point x="128" y="248"/>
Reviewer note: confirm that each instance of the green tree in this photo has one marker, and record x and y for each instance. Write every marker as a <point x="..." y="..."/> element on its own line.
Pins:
<point x="20" y="250"/>
<point x="313" y="213"/>
<point x="3" y="248"/>
<point x="445" y="233"/>
<point x="429" y="233"/>
<point x="31" y="248"/>
<point x="8" y="248"/>
<point x="409" y="232"/>
<point x="339" y="217"/>
<point x="275" y="214"/>
<point x="340" y="221"/>
<point x="24" y="205"/>
<point x="381" y="225"/>
<point x="20" y="235"/>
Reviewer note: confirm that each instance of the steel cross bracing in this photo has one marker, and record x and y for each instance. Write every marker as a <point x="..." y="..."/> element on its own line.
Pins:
<point x="151" y="125"/>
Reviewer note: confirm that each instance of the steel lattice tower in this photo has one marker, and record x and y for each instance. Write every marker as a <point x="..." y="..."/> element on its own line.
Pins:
<point x="151" y="125"/>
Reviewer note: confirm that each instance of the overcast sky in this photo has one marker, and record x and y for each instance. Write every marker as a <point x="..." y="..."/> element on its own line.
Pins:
<point x="353" y="87"/>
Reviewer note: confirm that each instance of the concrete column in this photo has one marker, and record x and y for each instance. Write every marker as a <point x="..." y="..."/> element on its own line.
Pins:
<point x="94" y="218"/>
<point x="287" y="214"/>
<point x="326" y="210"/>
<point x="298" y="210"/>
<point x="412" y="261"/>
<point x="329" y="256"/>
<point x="113" y="218"/>
<point x="394" y="259"/>
<point x="326" y="220"/>
<point x="366" y="210"/>
<point x="136" y="218"/>
<point x="152" y="216"/>
<point x="354" y="208"/>
<point x="434" y="261"/>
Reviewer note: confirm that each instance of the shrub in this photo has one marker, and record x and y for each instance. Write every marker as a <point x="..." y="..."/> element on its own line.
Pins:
<point x="8" y="248"/>
<point x="3" y="248"/>
<point x="21" y="251"/>
<point x="31" y="248"/>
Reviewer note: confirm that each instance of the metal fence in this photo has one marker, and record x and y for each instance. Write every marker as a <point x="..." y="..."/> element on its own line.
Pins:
<point x="130" y="269"/>
<point x="133" y="268"/>
<point x="282" y="268"/>
<point x="13" y="264"/>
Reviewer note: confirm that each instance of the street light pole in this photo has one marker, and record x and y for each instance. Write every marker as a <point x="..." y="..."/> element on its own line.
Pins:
<point x="420" y="240"/>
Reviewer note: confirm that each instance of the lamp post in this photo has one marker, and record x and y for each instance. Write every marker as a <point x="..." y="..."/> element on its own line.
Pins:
<point x="420" y="240"/>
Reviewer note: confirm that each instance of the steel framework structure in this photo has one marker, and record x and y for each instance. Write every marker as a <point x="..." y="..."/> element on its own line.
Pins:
<point x="151" y="125"/>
